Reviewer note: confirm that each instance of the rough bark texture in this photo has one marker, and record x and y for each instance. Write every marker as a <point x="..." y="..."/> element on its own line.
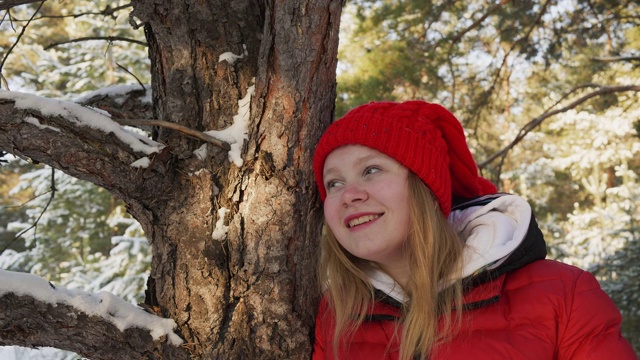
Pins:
<point x="31" y="323"/>
<point x="131" y="106"/>
<point x="251" y="294"/>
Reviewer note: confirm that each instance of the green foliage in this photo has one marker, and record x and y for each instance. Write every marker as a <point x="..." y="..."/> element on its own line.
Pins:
<point x="10" y="209"/>
<point x="38" y="65"/>
<point x="76" y="236"/>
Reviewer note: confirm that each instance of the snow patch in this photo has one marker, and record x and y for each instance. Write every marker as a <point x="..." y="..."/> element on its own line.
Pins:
<point x="33" y="121"/>
<point x="201" y="152"/>
<point x="221" y="229"/>
<point x="197" y="173"/>
<point x="141" y="163"/>
<point x="237" y="132"/>
<point x="231" y="58"/>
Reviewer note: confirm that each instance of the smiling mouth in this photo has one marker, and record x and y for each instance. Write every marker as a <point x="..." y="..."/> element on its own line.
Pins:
<point x="361" y="220"/>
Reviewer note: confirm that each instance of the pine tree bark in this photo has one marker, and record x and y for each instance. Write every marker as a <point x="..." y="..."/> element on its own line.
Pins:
<point x="251" y="293"/>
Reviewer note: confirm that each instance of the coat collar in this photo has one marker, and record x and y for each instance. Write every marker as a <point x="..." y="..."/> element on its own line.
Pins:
<point x="485" y="294"/>
<point x="386" y="308"/>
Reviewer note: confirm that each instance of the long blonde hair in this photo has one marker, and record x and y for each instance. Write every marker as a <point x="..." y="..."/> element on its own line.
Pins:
<point x="435" y="258"/>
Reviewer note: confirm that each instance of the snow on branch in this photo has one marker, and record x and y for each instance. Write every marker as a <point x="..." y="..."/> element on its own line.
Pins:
<point x="102" y="120"/>
<point x="105" y="305"/>
<point x="82" y="116"/>
<point x="119" y="94"/>
<point x="126" y="104"/>
<point x="27" y="322"/>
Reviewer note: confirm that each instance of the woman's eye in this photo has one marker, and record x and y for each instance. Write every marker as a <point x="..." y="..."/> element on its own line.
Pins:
<point x="371" y="170"/>
<point x="331" y="184"/>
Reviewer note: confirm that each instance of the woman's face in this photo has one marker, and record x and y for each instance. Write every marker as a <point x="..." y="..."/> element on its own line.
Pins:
<point x="367" y="204"/>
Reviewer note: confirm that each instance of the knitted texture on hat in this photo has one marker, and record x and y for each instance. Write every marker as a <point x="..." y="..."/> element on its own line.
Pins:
<point x="424" y="137"/>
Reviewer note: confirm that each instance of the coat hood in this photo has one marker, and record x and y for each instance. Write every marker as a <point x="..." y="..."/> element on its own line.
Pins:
<point x="493" y="228"/>
<point x="500" y="235"/>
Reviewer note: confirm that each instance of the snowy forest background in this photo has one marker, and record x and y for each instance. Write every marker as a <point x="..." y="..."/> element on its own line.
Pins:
<point x="503" y="78"/>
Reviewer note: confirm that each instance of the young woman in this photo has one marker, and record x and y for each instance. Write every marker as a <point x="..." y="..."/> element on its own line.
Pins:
<point x="421" y="258"/>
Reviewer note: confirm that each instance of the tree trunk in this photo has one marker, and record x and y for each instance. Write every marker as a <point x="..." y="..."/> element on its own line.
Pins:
<point x="250" y="293"/>
<point x="240" y="286"/>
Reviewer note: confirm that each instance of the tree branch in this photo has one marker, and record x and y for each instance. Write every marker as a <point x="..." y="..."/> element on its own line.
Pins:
<point x="455" y="38"/>
<point x="8" y="4"/>
<point x="133" y="111"/>
<point x="526" y="129"/>
<point x="173" y="126"/>
<point x="504" y="64"/>
<point x="120" y="102"/>
<point x="25" y="321"/>
<point x="104" y="38"/>
<point x="85" y="152"/>
<point x="616" y="58"/>
<point x="132" y="74"/>
<point x="108" y="11"/>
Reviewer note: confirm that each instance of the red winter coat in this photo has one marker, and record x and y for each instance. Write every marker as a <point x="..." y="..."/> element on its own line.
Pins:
<point x="543" y="310"/>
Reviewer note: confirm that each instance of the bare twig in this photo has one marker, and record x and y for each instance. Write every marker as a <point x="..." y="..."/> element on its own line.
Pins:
<point x="7" y="13"/>
<point x="135" y="77"/>
<point x="456" y="38"/>
<point x="526" y="129"/>
<point x="34" y="226"/>
<point x="108" y="11"/>
<point x="104" y="38"/>
<point x="24" y="28"/>
<point x="26" y="202"/>
<point x="3" y="82"/>
<point x="169" y="125"/>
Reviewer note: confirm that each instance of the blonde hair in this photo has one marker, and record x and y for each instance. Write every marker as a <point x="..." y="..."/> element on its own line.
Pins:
<point x="435" y="258"/>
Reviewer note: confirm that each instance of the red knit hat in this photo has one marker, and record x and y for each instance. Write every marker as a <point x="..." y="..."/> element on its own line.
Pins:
<point x="424" y="137"/>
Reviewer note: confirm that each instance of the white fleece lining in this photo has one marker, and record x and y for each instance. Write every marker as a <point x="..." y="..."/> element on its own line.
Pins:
<point x="491" y="232"/>
<point x="382" y="281"/>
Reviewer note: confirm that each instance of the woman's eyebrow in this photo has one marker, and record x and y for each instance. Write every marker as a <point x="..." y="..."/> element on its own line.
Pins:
<point x="329" y="171"/>
<point x="359" y="160"/>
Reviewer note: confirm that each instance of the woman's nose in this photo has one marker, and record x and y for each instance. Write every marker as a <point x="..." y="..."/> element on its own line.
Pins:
<point x="354" y="193"/>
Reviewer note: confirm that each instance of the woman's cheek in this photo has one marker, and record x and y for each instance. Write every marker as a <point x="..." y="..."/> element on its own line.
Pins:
<point x="331" y="213"/>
